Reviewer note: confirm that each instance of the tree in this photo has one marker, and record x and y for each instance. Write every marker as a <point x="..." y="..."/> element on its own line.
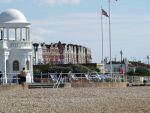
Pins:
<point x="141" y="71"/>
<point x="79" y="69"/>
<point x="130" y="72"/>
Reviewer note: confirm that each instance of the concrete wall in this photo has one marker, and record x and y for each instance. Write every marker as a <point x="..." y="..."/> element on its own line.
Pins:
<point x="100" y="84"/>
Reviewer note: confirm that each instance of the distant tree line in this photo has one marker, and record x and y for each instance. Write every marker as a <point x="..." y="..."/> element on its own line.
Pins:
<point x="139" y="71"/>
<point x="74" y="68"/>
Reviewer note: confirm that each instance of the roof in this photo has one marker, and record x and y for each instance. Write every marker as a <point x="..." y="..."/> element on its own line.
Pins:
<point x="12" y="16"/>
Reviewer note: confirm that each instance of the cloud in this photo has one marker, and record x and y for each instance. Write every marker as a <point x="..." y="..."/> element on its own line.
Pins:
<point x="56" y="2"/>
<point x="66" y="26"/>
<point x="41" y="32"/>
<point x="44" y="31"/>
<point x="6" y="1"/>
<point x="10" y="1"/>
<point x="85" y="29"/>
<point x="76" y="20"/>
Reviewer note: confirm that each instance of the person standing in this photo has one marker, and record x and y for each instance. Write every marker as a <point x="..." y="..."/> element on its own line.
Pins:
<point x="1" y="75"/>
<point x="22" y="77"/>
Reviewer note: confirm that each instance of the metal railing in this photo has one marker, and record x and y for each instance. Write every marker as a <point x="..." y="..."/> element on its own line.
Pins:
<point x="138" y="80"/>
<point x="9" y="78"/>
<point x="82" y="77"/>
<point x="61" y="78"/>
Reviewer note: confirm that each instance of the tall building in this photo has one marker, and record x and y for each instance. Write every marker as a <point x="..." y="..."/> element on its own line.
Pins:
<point x="62" y="53"/>
<point x="51" y="53"/>
<point x="15" y="44"/>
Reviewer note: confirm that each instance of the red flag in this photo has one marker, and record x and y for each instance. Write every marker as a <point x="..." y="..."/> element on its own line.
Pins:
<point x="104" y="13"/>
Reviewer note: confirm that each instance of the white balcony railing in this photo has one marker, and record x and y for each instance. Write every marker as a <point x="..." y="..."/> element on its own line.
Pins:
<point x="15" y="44"/>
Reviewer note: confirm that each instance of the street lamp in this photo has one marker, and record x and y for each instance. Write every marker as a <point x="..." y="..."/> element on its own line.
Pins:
<point x="2" y="34"/>
<point x="148" y="59"/>
<point x="121" y="69"/>
<point x="35" y="45"/>
<point x="121" y="57"/>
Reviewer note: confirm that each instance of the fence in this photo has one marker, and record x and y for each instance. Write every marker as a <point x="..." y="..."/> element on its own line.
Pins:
<point x="10" y="78"/>
<point x="53" y="78"/>
<point x="80" y="77"/>
<point x="138" y="80"/>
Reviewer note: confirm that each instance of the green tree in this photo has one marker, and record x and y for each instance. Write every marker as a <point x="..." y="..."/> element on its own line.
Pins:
<point x="59" y="69"/>
<point x="141" y="71"/>
<point x="79" y="69"/>
<point x="130" y="72"/>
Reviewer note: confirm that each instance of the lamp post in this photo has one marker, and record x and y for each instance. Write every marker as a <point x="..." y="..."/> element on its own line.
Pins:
<point x="2" y="33"/>
<point x="35" y="45"/>
<point x="121" y="57"/>
<point x="148" y="59"/>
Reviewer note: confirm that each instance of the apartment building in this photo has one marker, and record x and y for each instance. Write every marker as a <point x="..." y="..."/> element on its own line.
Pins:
<point x="62" y="53"/>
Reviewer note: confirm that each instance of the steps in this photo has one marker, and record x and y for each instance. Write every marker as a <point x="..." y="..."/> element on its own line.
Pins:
<point x="38" y="85"/>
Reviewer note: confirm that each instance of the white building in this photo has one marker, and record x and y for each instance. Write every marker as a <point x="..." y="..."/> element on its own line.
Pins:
<point x="15" y="45"/>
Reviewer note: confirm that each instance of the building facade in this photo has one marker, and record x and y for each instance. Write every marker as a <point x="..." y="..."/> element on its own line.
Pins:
<point x="62" y="53"/>
<point x="15" y="45"/>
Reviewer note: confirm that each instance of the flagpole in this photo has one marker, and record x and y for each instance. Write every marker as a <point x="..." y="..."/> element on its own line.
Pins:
<point x="110" y="39"/>
<point x="102" y="41"/>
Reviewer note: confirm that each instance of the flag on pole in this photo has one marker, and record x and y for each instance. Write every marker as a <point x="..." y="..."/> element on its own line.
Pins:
<point x="104" y="13"/>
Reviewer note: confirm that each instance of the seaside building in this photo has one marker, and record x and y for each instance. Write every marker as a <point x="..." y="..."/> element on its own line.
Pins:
<point x="61" y="53"/>
<point x="117" y="66"/>
<point x="15" y="45"/>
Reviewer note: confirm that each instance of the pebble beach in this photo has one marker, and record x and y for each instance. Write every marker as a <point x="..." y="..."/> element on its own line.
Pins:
<point x="75" y="100"/>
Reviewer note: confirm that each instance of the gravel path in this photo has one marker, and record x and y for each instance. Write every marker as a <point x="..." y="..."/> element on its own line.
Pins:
<point x="76" y="100"/>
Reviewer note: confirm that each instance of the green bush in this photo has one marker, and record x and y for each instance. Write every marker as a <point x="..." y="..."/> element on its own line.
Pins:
<point x="79" y="69"/>
<point x="142" y="71"/>
<point x="59" y="69"/>
<point x="130" y="72"/>
<point x="75" y="68"/>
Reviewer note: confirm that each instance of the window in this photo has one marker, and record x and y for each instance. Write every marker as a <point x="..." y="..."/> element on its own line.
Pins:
<point x="12" y="34"/>
<point x="27" y="65"/>
<point x="15" y="65"/>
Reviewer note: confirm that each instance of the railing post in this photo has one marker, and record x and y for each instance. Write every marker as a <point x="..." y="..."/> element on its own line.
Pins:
<point x="41" y="78"/>
<point x="17" y="78"/>
<point x="48" y="78"/>
<point x="81" y="78"/>
<point x="132" y="79"/>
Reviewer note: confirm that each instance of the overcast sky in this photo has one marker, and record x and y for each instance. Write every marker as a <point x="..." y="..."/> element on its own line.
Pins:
<point x="78" y="22"/>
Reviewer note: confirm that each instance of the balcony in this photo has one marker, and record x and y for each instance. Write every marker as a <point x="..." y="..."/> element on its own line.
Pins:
<point x="11" y="44"/>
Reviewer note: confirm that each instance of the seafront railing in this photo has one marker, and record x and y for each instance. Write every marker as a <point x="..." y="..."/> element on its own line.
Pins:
<point x="65" y="77"/>
<point x="62" y="78"/>
<point x="9" y="78"/>
<point x="68" y="77"/>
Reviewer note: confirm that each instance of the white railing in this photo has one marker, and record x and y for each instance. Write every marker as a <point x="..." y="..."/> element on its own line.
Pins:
<point x="9" y="78"/>
<point x="19" y="44"/>
<point x="62" y="78"/>
<point x="15" y="44"/>
<point x="138" y="80"/>
<point x="3" y="44"/>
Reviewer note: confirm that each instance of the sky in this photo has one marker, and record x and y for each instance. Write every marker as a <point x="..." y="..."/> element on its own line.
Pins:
<point x="79" y="22"/>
